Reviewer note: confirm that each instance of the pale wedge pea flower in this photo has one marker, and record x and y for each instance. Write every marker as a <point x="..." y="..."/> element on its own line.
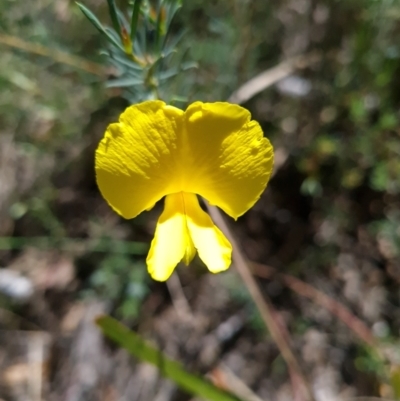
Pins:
<point x="213" y="150"/>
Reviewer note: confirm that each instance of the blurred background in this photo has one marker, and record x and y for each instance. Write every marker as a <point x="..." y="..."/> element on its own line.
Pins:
<point x="324" y="237"/>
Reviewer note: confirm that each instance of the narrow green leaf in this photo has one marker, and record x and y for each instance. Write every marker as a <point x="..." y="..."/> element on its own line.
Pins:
<point x="91" y="17"/>
<point x="140" y="45"/>
<point x="112" y="8"/>
<point x="170" y="46"/>
<point x="137" y="48"/>
<point x="171" y="7"/>
<point x="139" y="348"/>
<point x="122" y="61"/>
<point x="164" y="75"/>
<point x="133" y="96"/>
<point x="167" y="74"/>
<point x="172" y="72"/>
<point x="124" y="82"/>
<point x="187" y="65"/>
<point x="135" y="18"/>
<point x="158" y="31"/>
<point x="97" y="24"/>
<point x="113" y="37"/>
<point x="168" y="52"/>
<point x="156" y="66"/>
<point x="123" y="21"/>
<point x="179" y="99"/>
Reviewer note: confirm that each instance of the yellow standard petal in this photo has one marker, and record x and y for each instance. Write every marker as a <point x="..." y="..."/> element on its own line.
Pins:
<point x="228" y="160"/>
<point x="171" y="243"/>
<point x="137" y="160"/>
<point x="213" y="149"/>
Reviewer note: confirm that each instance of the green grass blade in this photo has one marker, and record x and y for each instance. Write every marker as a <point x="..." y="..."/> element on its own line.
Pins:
<point x="139" y="348"/>
<point x="74" y="245"/>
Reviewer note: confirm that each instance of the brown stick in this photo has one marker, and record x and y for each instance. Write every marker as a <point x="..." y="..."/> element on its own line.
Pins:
<point x="306" y="290"/>
<point x="271" y="76"/>
<point x="278" y="331"/>
<point x="263" y="304"/>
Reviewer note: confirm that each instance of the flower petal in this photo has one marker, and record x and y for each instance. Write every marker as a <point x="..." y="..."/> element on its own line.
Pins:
<point x="136" y="162"/>
<point x="213" y="248"/>
<point x="171" y="242"/>
<point x="190" y="251"/>
<point x="213" y="149"/>
<point x="227" y="159"/>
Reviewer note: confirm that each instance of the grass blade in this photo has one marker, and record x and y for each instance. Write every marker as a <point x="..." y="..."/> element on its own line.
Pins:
<point x="74" y="245"/>
<point x="170" y="369"/>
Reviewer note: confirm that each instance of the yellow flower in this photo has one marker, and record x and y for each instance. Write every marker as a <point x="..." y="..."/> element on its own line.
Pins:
<point x="213" y="150"/>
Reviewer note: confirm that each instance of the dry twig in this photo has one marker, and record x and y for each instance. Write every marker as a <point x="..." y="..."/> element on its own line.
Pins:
<point x="178" y="297"/>
<point x="263" y="305"/>
<point x="336" y="308"/>
<point x="275" y="326"/>
<point x="271" y="76"/>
